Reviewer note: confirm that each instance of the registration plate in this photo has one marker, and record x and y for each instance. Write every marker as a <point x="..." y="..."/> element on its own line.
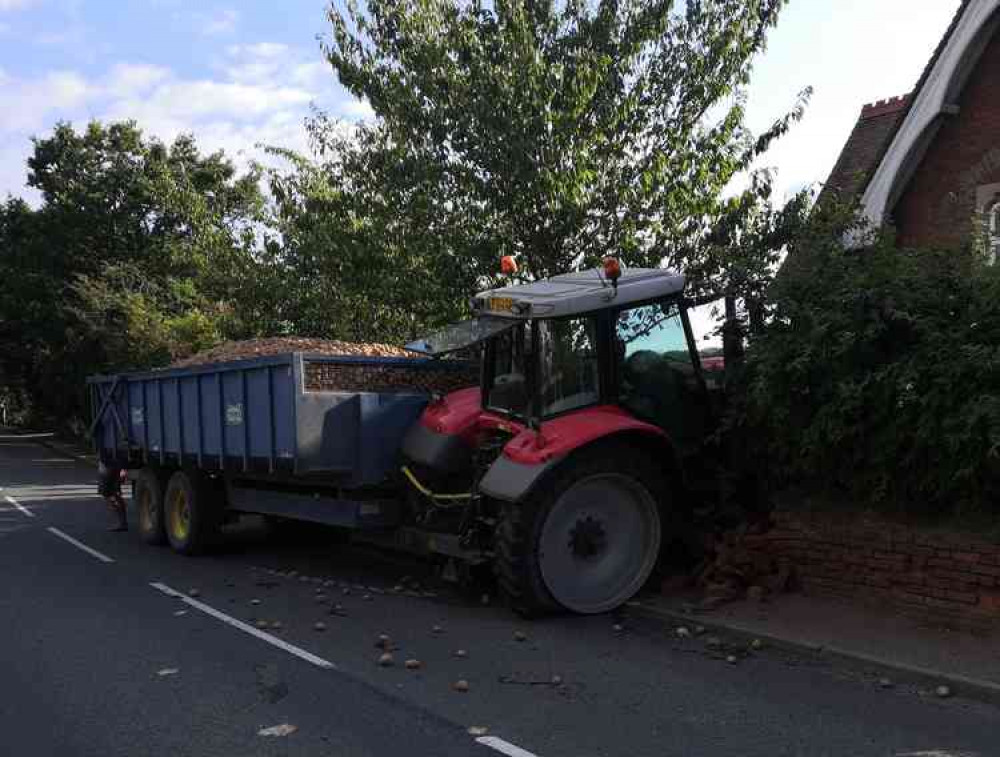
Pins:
<point x="500" y="304"/>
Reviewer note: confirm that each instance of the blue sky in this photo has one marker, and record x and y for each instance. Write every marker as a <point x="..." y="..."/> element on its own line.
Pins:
<point x="239" y="73"/>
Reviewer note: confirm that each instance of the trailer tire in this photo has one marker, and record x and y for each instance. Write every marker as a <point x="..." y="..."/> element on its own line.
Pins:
<point x="193" y="510"/>
<point x="625" y="512"/>
<point x="147" y="500"/>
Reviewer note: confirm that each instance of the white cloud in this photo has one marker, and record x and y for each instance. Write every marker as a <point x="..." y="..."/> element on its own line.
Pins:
<point x="194" y="100"/>
<point x="356" y="109"/>
<point x="218" y="22"/>
<point x="261" y="50"/>
<point x="255" y="94"/>
<point x="134" y="78"/>
<point x="27" y="105"/>
<point x="13" y="5"/>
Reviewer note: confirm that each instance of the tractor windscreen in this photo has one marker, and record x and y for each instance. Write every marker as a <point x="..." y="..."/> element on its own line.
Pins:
<point x="460" y="335"/>
<point x="568" y="359"/>
<point x="506" y="363"/>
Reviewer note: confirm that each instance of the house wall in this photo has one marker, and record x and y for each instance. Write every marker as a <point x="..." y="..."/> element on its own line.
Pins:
<point x="939" y="204"/>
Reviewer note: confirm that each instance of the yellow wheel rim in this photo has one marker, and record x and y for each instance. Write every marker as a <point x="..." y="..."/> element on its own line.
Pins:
<point x="180" y="515"/>
<point x="146" y="510"/>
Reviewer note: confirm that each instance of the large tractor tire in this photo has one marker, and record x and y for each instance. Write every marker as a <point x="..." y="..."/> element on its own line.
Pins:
<point x="587" y="540"/>
<point x="193" y="511"/>
<point x="147" y="501"/>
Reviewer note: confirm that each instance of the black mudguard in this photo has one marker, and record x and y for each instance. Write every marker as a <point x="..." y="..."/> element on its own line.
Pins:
<point x="443" y="453"/>
<point x="511" y="481"/>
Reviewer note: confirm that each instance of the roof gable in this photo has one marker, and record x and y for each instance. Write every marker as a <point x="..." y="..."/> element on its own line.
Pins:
<point x="933" y="99"/>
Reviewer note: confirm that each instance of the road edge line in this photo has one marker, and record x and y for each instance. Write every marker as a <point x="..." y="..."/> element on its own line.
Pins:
<point x="245" y="627"/>
<point x="80" y="545"/>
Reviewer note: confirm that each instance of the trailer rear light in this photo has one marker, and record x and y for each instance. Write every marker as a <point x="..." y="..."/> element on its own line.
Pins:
<point x="508" y="266"/>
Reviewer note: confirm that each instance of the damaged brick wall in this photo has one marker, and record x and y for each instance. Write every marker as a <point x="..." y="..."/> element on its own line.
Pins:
<point x="938" y="576"/>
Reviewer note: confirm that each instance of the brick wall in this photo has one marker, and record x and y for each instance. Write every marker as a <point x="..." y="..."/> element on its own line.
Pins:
<point x="939" y="203"/>
<point x="937" y="576"/>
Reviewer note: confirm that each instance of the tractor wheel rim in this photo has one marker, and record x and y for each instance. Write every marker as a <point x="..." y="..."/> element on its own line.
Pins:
<point x="180" y="516"/>
<point x="599" y="543"/>
<point x="146" y="510"/>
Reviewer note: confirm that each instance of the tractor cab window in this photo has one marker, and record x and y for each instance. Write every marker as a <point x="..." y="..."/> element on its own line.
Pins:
<point x="656" y="375"/>
<point x="506" y="363"/>
<point x="568" y="364"/>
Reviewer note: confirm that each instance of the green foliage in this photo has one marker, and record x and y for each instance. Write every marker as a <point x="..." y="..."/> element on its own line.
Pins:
<point x="139" y="253"/>
<point x="562" y="131"/>
<point x="353" y="266"/>
<point x="879" y="373"/>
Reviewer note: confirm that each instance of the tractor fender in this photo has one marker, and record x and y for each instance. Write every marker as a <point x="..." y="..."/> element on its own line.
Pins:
<point x="442" y="439"/>
<point x="530" y="456"/>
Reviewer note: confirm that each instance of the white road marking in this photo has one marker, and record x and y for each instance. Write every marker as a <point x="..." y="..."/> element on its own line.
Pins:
<point x="272" y="640"/>
<point x="20" y="507"/>
<point x="285" y="729"/>
<point x="504" y="747"/>
<point x="80" y="545"/>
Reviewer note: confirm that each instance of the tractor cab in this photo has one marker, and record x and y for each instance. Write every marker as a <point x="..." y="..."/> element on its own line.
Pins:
<point x="582" y="340"/>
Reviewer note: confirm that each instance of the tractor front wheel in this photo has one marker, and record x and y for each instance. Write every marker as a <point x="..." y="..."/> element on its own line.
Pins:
<point x="587" y="540"/>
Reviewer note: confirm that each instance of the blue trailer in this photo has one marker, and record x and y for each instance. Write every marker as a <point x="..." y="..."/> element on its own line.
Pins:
<point x="300" y="436"/>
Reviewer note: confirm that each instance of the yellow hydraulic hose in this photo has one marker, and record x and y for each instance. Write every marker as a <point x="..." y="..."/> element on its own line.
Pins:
<point x="427" y="492"/>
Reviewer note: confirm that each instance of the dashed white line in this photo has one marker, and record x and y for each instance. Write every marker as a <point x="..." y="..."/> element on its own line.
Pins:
<point x="504" y="747"/>
<point x="20" y="507"/>
<point x="80" y="545"/>
<point x="239" y="624"/>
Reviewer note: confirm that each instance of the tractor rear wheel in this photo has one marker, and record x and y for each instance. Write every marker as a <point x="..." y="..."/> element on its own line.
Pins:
<point x="193" y="511"/>
<point x="147" y="501"/>
<point x="587" y="540"/>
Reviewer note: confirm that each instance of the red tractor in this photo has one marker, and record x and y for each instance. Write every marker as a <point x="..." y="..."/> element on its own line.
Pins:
<point x="566" y="466"/>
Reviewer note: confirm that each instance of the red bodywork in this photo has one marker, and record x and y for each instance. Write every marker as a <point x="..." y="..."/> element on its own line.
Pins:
<point x="461" y="414"/>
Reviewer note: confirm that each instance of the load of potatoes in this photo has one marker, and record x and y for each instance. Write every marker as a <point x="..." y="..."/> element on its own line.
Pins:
<point x="422" y="376"/>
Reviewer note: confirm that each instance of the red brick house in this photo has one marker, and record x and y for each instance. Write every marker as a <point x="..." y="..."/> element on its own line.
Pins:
<point x="928" y="163"/>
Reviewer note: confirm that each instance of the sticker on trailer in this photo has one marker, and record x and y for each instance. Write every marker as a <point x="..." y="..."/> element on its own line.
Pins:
<point x="234" y="414"/>
<point x="137" y="416"/>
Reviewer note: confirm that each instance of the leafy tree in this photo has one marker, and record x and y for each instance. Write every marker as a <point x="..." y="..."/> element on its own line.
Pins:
<point x="355" y="264"/>
<point x="139" y="252"/>
<point x="563" y="131"/>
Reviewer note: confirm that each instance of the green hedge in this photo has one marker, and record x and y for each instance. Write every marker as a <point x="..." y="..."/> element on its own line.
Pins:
<point x="879" y="374"/>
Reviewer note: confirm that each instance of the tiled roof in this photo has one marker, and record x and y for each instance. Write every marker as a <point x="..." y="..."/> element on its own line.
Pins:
<point x="865" y="147"/>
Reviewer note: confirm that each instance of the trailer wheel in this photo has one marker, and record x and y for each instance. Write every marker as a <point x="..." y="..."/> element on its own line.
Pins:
<point x="587" y="540"/>
<point x="147" y="500"/>
<point x="194" y="513"/>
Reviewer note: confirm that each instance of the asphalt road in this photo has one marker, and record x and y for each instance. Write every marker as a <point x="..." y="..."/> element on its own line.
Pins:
<point x="99" y="657"/>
